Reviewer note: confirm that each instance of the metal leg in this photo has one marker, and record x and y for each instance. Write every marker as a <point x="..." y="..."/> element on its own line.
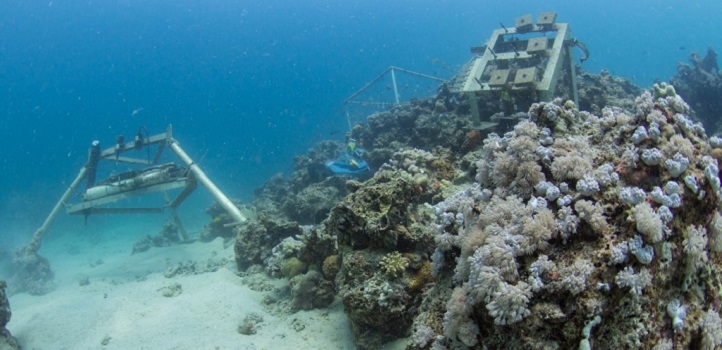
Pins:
<point x="572" y="76"/>
<point x="475" y="117"/>
<point x="178" y="223"/>
<point x="206" y="182"/>
<point x="396" y="90"/>
<point x="36" y="241"/>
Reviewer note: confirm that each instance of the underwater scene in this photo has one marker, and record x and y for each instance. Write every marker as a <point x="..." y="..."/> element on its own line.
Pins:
<point x="417" y="175"/>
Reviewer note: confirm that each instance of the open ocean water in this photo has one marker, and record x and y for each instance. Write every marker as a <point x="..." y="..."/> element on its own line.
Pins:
<point x="249" y="84"/>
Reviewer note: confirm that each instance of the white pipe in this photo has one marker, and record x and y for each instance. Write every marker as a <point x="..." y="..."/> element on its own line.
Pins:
<point x="396" y="91"/>
<point x="207" y="183"/>
<point x="34" y="244"/>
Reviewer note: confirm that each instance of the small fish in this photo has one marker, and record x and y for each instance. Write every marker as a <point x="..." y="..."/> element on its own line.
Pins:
<point x="682" y="48"/>
<point x="136" y="111"/>
<point x="435" y="60"/>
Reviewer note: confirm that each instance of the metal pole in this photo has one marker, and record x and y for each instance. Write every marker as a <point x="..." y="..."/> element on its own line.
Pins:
<point x="572" y="76"/>
<point x="396" y="91"/>
<point x="368" y="85"/>
<point x="35" y="242"/>
<point x="178" y="223"/>
<point x="475" y="117"/>
<point x="348" y="119"/>
<point x="207" y="183"/>
<point x="417" y="74"/>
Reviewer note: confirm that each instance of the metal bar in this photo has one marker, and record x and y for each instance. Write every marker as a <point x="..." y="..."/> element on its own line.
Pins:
<point x="158" y="153"/>
<point x="104" y="211"/>
<point x="572" y="75"/>
<point x="166" y="186"/>
<point x="548" y="83"/>
<point x="418" y="74"/>
<point x="132" y="161"/>
<point x="206" y="182"/>
<point x="348" y="119"/>
<point x="370" y="103"/>
<point x="174" y="213"/>
<point x="368" y="85"/>
<point x="36" y="241"/>
<point x="473" y="103"/>
<point x="183" y="195"/>
<point x="393" y="81"/>
<point x="130" y="146"/>
<point x="178" y="223"/>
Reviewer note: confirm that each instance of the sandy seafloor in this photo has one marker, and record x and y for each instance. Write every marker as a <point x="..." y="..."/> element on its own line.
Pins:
<point x="123" y="306"/>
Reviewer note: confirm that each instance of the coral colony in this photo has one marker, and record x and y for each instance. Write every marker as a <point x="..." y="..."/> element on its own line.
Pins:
<point x="581" y="225"/>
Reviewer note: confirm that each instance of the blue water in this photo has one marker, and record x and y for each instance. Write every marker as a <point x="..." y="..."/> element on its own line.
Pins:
<point x="249" y="84"/>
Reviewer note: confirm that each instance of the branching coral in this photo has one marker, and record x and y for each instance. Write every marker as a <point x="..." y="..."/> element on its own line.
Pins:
<point x="509" y="304"/>
<point x="636" y="282"/>
<point x="711" y="327"/>
<point x="394" y="264"/>
<point x="575" y="276"/>
<point x="648" y="222"/>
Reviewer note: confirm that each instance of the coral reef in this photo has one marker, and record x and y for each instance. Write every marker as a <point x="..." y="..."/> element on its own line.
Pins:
<point x="309" y="193"/>
<point x="394" y="264"/>
<point x="292" y="267"/>
<point x="597" y="91"/>
<point x="250" y="324"/>
<point x="191" y="267"/>
<point x="420" y="126"/>
<point x="383" y="236"/>
<point x="167" y="236"/>
<point x="586" y="215"/>
<point x="700" y="84"/>
<point x="311" y="290"/>
<point x="32" y="273"/>
<point x="256" y="237"/>
<point x="221" y="224"/>
<point x="331" y="267"/>
<point x="284" y="258"/>
<point x="171" y="290"/>
<point x="6" y="339"/>
<point x="591" y="227"/>
<point x="312" y="204"/>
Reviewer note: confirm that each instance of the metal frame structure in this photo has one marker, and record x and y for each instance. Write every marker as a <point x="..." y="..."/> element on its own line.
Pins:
<point x="157" y="178"/>
<point x="391" y="70"/>
<point x="520" y="59"/>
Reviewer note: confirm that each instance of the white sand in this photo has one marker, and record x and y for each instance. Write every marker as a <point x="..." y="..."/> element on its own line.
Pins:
<point x="123" y="305"/>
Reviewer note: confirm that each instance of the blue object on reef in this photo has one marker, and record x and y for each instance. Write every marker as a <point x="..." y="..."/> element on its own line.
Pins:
<point x="349" y="163"/>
